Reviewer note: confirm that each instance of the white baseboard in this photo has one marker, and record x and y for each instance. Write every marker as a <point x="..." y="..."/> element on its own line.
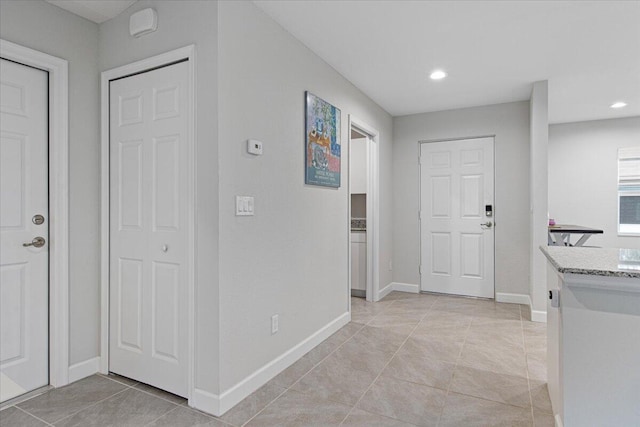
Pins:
<point x="406" y="287"/>
<point x="558" y="420"/>
<point x="84" y="369"/>
<point x="205" y="401"/>
<point x="385" y="291"/>
<point x="538" y="316"/>
<point x="513" y="298"/>
<point x="219" y="404"/>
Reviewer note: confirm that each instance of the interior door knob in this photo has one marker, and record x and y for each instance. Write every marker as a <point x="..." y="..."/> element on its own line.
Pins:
<point x="37" y="242"/>
<point x="486" y="225"/>
<point x="165" y="248"/>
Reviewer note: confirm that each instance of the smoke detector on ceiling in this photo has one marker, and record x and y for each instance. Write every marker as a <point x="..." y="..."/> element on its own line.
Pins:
<point x="143" y="22"/>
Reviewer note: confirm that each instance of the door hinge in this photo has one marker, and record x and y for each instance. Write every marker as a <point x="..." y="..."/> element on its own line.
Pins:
<point x="420" y="269"/>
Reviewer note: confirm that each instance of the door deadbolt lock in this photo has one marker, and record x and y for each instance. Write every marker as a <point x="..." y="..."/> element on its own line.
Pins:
<point x="38" y="219"/>
<point x="37" y="242"/>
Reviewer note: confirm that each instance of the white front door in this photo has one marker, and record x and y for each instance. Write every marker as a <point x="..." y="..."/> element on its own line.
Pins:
<point x="24" y="279"/>
<point x="457" y="238"/>
<point x="148" y="228"/>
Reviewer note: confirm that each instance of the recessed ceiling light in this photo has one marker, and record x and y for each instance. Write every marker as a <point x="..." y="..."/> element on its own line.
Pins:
<point x="438" y="75"/>
<point x="619" y="104"/>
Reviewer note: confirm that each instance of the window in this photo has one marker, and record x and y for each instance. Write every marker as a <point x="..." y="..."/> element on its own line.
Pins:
<point x="629" y="191"/>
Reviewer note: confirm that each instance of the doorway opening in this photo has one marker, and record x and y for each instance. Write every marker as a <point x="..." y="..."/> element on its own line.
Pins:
<point x="358" y="194"/>
<point x="363" y="210"/>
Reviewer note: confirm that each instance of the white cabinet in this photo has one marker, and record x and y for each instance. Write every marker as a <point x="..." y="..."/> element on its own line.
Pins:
<point x="594" y="350"/>
<point x="359" y="261"/>
<point x="358" y="166"/>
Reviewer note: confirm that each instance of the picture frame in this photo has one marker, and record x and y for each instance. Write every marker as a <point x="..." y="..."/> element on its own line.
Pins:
<point x="322" y="142"/>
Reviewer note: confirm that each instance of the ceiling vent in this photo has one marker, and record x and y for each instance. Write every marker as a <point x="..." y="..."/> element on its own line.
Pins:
<point x="143" y="22"/>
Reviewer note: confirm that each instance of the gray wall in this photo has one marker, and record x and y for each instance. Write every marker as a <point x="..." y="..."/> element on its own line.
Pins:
<point x="181" y="23"/>
<point x="290" y="258"/>
<point x="49" y="29"/>
<point x="538" y="196"/>
<point x="510" y="125"/>
<point x="583" y="175"/>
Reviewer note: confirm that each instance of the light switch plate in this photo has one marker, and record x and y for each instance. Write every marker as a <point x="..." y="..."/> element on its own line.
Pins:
<point x="254" y="147"/>
<point x="244" y="205"/>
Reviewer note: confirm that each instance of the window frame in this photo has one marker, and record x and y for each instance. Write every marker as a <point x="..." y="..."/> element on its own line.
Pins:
<point x="626" y="153"/>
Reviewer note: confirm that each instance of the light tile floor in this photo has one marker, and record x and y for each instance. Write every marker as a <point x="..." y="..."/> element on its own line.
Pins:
<point x="409" y="360"/>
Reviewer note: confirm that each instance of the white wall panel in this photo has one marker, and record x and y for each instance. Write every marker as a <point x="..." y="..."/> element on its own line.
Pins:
<point x="130" y="304"/>
<point x="165" y="210"/>
<point x="12" y="180"/>
<point x="165" y="286"/>
<point x="13" y="312"/>
<point x="471" y="255"/>
<point x="441" y="197"/>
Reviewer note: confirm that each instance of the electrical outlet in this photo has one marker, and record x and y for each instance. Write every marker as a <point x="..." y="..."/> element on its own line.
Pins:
<point x="274" y="324"/>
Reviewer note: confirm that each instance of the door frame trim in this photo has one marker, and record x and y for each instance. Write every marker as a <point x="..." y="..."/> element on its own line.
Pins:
<point x="58" y="147"/>
<point x="188" y="53"/>
<point x="373" y="207"/>
<point x="428" y="141"/>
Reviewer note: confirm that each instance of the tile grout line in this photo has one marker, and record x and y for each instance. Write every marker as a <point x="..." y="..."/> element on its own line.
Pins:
<point x="135" y="387"/>
<point x="163" y="415"/>
<point x="53" y="389"/>
<point x="457" y="364"/>
<point x="306" y="373"/>
<point x="92" y="405"/>
<point x="107" y="377"/>
<point x="526" y="365"/>
<point x="266" y="406"/>
<point x="30" y="414"/>
<point x="387" y="364"/>
<point x="455" y="368"/>
<point x="333" y="351"/>
<point x="159" y="397"/>
<point x="314" y="366"/>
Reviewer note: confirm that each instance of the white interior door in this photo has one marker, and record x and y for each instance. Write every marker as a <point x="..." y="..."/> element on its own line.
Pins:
<point x="24" y="287"/>
<point x="148" y="228"/>
<point x="457" y="237"/>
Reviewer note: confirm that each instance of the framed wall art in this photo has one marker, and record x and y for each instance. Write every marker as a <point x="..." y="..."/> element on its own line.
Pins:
<point x="322" y="142"/>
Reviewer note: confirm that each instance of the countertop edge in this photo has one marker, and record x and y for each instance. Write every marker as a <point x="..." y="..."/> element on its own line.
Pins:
<point x="588" y="272"/>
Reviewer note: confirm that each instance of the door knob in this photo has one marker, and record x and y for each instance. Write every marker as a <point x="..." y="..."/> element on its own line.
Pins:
<point x="486" y="225"/>
<point x="164" y="248"/>
<point x="37" y="242"/>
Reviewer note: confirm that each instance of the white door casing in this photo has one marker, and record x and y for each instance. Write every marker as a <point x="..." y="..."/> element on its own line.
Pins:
<point x="149" y="329"/>
<point x="373" y="209"/>
<point x="456" y="183"/>
<point x="24" y="298"/>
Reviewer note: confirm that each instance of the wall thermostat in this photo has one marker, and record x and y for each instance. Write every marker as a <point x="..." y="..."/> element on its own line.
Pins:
<point x="254" y="147"/>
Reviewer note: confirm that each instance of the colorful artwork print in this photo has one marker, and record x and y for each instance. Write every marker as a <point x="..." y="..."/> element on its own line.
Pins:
<point x="322" y="154"/>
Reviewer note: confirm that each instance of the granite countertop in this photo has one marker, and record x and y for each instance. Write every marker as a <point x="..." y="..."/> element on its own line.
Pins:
<point x="610" y="262"/>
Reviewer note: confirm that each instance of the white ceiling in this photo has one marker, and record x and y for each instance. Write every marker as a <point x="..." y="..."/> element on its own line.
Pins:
<point x="94" y="10"/>
<point x="492" y="51"/>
